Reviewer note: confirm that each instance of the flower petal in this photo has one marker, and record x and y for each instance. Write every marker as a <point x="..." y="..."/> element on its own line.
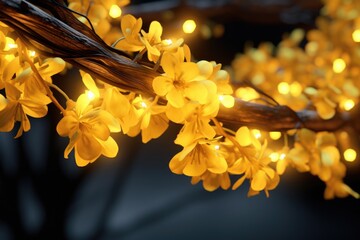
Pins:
<point x="258" y="182"/>
<point x="110" y="147"/>
<point x="88" y="147"/>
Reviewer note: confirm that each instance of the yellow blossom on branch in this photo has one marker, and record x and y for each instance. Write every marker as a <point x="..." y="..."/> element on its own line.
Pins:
<point x="17" y="108"/>
<point x="88" y="130"/>
<point x="196" y="158"/>
<point x="182" y="82"/>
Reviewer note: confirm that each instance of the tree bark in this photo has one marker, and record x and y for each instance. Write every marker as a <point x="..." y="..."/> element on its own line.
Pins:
<point x="52" y="30"/>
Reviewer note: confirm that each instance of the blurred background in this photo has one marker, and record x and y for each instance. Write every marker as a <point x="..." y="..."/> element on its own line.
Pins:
<point x="135" y="196"/>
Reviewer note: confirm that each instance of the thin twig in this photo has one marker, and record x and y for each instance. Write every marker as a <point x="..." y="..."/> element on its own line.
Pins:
<point x="42" y="81"/>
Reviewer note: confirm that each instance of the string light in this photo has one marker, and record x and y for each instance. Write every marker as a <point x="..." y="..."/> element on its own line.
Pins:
<point x="339" y="65"/>
<point x="256" y="133"/>
<point x="167" y="42"/>
<point x="115" y="11"/>
<point x="283" y="88"/>
<point x="227" y="100"/>
<point x="90" y="95"/>
<point x="356" y="35"/>
<point x="274" y="157"/>
<point x="282" y="156"/>
<point x="295" y="89"/>
<point x="143" y="104"/>
<point x="350" y="155"/>
<point x="275" y="135"/>
<point x="189" y="26"/>
<point x="246" y="93"/>
<point x="347" y="104"/>
<point x="32" y="53"/>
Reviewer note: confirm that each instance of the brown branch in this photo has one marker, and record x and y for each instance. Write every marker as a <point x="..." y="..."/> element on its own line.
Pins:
<point x="55" y="32"/>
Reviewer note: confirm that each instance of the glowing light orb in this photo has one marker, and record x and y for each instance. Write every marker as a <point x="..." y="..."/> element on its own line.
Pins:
<point x="256" y="133"/>
<point x="339" y="65"/>
<point x="189" y="26"/>
<point x="143" y="105"/>
<point x="356" y="35"/>
<point x="115" y="11"/>
<point x="350" y="155"/>
<point x="348" y="104"/>
<point x="275" y="135"/>
<point x="227" y="100"/>
<point x="90" y="95"/>
<point x="296" y="89"/>
<point x="274" y="156"/>
<point x="246" y="93"/>
<point x="283" y="88"/>
<point x="32" y="53"/>
<point x="167" y="42"/>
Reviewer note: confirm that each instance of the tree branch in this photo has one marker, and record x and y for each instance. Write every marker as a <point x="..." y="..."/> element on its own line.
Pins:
<point x="54" y="31"/>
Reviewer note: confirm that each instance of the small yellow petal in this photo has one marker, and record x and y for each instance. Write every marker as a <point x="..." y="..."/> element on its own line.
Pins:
<point x="258" y="182"/>
<point x="238" y="183"/>
<point x="243" y="136"/>
<point x="110" y="147"/>
<point x="88" y="148"/>
<point x="195" y="167"/>
<point x="80" y="162"/>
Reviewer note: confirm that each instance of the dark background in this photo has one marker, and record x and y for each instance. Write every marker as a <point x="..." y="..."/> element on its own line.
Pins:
<point x="135" y="196"/>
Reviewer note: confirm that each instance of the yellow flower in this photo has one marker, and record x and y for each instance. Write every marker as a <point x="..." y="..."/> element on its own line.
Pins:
<point x="182" y="81"/>
<point x="298" y="157"/>
<point x="245" y="138"/>
<point x="253" y="164"/>
<point x="88" y="130"/>
<point x="152" y="39"/>
<point x="213" y="72"/>
<point x="212" y="181"/>
<point x="316" y="152"/>
<point x="152" y="121"/>
<point x="17" y="108"/>
<point x="335" y="187"/>
<point x="328" y="155"/>
<point x="32" y="87"/>
<point x="126" y="114"/>
<point x="130" y="27"/>
<point x="196" y="124"/>
<point x="197" y="158"/>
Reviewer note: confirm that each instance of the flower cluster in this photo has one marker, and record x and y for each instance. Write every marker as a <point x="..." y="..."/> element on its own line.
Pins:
<point x="318" y="75"/>
<point x="191" y="93"/>
<point x="24" y="80"/>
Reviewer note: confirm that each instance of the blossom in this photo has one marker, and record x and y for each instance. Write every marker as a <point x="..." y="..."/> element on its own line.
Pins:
<point x="196" y="121"/>
<point x="253" y="164"/>
<point x="89" y="130"/>
<point x="152" y="121"/>
<point x="152" y="39"/>
<point x="261" y="176"/>
<point x="335" y="187"/>
<point x="245" y="138"/>
<point x="32" y="86"/>
<point x="197" y="158"/>
<point x="297" y="157"/>
<point x="212" y="181"/>
<point x="130" y="27"/>
<point x="181" y="82"/>
<point x="16" y="107"/>
<point x="126" y="114"/>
